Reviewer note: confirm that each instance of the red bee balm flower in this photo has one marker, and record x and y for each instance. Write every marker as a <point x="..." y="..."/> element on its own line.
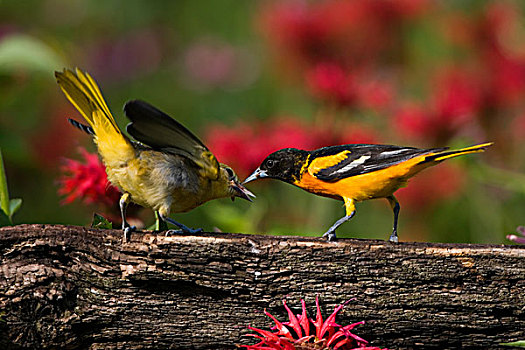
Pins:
<point x="87" y="181"/>
<point x="296" y="334"/>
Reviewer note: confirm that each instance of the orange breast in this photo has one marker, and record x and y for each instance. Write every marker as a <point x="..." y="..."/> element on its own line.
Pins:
<point x="376" y="184"/>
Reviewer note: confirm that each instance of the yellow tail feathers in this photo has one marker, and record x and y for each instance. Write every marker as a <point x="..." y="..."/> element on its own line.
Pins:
<point x="82" y="91"/>
<point x="440" y="156"/>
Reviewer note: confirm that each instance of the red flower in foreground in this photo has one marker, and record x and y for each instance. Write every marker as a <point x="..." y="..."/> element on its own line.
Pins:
<point x="297" y="333"/>
<point x="87" y="181"/>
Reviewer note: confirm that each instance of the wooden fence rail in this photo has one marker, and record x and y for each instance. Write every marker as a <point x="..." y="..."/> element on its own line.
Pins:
<point x="74" y="287"/>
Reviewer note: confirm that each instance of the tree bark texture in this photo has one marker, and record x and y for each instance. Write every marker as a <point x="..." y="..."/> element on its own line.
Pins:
<point x="73" y="287"/>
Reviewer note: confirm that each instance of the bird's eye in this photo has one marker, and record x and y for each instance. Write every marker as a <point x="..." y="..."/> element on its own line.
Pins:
<point x="231" y="175"/>
<point x="270" y="163"/>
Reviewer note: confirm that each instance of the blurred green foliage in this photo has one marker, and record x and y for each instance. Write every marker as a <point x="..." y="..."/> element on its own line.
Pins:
<point x="147" y="50"/>
<point x="23" y="52"/>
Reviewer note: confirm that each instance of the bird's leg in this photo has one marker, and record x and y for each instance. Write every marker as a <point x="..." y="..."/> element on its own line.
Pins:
<point x="350" y="212"/>
<point x="160" y="225"/>
<point x="183" y="228"/>
<point x="395" y="207"/>
<point x="123" y="202"/>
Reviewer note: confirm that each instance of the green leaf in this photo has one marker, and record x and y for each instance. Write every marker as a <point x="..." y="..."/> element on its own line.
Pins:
<point x="4" y="219"/>
<point x="4" y="193"/>
<point x="101" y="222"/>
<point x="518" y="344"/>
<point x="14" y="205"/>
<point x="24" y="52"/>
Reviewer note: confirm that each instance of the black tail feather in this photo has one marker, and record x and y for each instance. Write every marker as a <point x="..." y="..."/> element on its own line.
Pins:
<point x="85" y="128"/>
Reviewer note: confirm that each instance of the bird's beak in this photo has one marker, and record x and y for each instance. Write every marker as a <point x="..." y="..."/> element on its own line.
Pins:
<point x="257" y="174"/>
<point x="241" y="191"/>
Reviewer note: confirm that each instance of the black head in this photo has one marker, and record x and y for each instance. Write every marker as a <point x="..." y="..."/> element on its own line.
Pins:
<point x="285" y="165"/>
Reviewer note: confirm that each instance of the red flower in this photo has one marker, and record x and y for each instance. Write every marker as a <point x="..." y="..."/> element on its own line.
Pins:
<point x="376" y="94"/>
<point x="507" y="80"/>
<point x="502" y="54"/>
<point x="456" y="97"/>
<point x="297" y="333"/>
<point x="329" y="82"/>
<point x="296" y="30"/>
<point x="244" y="146"/>
<point x="354" y="33"/>
<point x="87" y="181"/>
<point x="454" y="103"/>
<point x="414" y="122"/>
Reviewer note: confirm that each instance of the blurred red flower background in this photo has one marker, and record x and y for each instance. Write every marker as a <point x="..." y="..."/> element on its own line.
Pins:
<point x="290" y="73"/>
<point x="351" y="57"/>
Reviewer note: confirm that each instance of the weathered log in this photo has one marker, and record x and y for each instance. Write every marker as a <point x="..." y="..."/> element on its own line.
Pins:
<point x="74" y="287"/>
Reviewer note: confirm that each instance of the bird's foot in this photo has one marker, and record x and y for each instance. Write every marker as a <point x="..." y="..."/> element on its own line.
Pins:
<point x="127" y="233"/>
<point x="393" y="237"/>
<point x="172" y="232"/>
<point x="185" y="230"/>
<point x="330" y="236"/>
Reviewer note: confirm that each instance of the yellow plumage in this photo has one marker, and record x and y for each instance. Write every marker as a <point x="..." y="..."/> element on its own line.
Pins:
<point x="170" y="171"/>
<point x="81" y="90"/>
<point x="354" y="173"/>
<point x="374" y="184"/>
<point x="326" y="162"/>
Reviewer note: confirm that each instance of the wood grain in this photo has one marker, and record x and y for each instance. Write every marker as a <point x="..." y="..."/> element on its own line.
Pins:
<point x="74" y="287"/>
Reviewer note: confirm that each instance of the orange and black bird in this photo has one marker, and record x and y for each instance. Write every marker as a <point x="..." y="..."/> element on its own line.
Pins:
<point x="354" y="173"/>
<point x="167" y="168"/>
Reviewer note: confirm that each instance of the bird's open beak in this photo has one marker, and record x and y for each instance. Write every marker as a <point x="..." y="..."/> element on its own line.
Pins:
<point x="257" y="174"/>
<point x="241" y="191"/>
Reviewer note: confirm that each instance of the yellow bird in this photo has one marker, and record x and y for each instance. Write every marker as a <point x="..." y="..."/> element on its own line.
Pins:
<point x="169" y="170"/>
<point x="354" y="173"/>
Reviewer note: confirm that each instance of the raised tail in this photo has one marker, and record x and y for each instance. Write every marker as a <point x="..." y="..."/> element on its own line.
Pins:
<point x="440" y="156"/>
<point x="82" y="91"/>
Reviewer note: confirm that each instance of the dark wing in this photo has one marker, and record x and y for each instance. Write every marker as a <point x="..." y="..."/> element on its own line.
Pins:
<point x="339" y="162"/>
<point x="163" y="133"/>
